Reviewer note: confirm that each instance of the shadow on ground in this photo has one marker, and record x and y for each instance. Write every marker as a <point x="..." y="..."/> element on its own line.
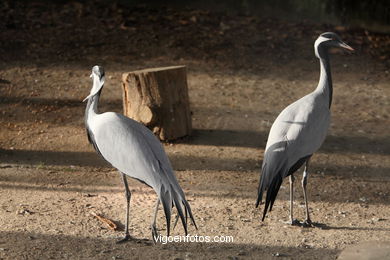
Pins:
<point x="252" y="139"/>
<point x="24" y="245"/>
<point x="227" y="183"/>
<point x="179" y="162"/>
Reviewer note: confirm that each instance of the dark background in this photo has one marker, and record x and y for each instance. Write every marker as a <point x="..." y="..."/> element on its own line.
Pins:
<point x="215" y="30"/>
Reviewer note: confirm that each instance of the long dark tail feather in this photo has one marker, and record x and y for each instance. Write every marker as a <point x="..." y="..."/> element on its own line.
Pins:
<point x="262" y="184"/>
<point x="180" y="211"/>
<point x="272" y="177"/>
<point x="186" y="213"/>
<point x="259" y="194"/>
<point x="171" y="198"/>
<point x="272" y="191"/>
<point x="275" y="192"/>
<point x="188" y="208"/>
<point x="166" y="201"/>
<point x="267" y="200"/>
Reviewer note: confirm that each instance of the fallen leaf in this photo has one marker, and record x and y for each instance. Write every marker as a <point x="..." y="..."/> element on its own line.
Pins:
<point x="106" y="221"/>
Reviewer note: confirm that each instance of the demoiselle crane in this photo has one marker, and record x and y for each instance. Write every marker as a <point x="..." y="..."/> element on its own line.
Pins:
<point x="298" y="132"/>
<point x="133" y="149"/>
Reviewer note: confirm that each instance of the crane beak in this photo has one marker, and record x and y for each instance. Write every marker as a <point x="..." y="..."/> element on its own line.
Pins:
<point x="346" y="46"/>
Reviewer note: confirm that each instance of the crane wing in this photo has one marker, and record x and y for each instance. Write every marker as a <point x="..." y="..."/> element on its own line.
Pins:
<point x="135" y="151"/>
<point x="296" y="134"/>
<point x="302" y="125"/>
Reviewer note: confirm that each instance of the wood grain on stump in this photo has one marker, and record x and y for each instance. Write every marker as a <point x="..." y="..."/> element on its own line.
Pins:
<point x="158" y="98"/>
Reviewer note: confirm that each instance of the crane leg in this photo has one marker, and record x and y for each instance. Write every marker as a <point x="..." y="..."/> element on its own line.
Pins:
<point x="292" y="220"/>
<point x="307" y="221"/>
<point x="128" y="197"/>
<point x="153" y="225"/>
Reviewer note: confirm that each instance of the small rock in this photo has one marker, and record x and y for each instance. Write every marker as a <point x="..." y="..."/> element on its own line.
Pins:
<point x="308" y="246"/>
<point x="363" y="199"/>
<point x="88" y="195"/>
<point x="25" y="212"/>
<point x="242" y="253"/>
<point x="193" y="19"/>
<point x="342" y="213"/>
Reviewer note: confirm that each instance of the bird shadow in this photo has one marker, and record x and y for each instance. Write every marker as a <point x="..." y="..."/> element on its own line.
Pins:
<point x="31" y="245"/>
<point x="136" y="240"/>
<point x="42" y="158"/>
<point x="324" y="226"/>
<point x="351" y="228"/>
<point x="254" y="139"/>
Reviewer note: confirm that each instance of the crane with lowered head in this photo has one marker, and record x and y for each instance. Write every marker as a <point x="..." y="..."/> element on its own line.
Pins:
<point x="133" y="149"/>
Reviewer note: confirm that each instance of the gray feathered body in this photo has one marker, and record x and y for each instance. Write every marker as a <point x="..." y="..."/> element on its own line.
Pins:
<point x="296" y="134"/>
<point x="134" y="150"/>
<point x="300" y="129"/>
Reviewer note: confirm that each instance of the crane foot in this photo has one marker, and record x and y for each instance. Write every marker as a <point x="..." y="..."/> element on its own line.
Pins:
<point x="125" y="239"/>
<point x="292" y="222"/>
<point x="307" y="223"/>
<point x="155" y="234"/>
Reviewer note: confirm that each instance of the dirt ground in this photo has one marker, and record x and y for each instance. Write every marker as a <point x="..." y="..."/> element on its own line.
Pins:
<point x="242" y="71"/>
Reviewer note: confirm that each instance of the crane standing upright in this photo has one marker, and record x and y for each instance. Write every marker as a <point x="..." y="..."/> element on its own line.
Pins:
<point x="136" y="152"/>
<point x="298" y="132"/>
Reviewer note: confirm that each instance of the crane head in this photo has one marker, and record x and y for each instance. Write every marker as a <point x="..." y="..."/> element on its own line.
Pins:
<point x="97" y="76"/>
<point x="327" y="40"/>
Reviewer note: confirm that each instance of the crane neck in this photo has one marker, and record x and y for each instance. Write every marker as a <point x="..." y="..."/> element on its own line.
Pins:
<point x="92" y="106"/>
<point x="325" y="86"/>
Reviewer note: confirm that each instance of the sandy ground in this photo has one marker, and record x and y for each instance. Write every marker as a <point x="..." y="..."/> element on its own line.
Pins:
<point x="240" y="78"/>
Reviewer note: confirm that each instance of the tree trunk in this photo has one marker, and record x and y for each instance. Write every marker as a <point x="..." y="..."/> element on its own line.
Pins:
<point x="158" y="98"/>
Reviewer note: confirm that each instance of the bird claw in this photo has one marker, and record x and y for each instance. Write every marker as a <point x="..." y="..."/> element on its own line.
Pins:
<point x="308" y="223"/>
<point x="293" y="222"/>
<point x="125" y="239"/>
<point x="155" y="233"/>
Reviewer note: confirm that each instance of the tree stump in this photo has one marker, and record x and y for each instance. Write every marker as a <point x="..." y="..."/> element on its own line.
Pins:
<point x="158" y="98"/>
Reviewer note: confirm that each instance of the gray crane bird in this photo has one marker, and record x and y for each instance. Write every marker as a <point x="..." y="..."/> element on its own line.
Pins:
<point x="298" y="132"/>
<point x="133" y="149"/>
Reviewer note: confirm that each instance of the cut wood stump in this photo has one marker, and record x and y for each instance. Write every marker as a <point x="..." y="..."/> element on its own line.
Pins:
<point x="158" y="98"/>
